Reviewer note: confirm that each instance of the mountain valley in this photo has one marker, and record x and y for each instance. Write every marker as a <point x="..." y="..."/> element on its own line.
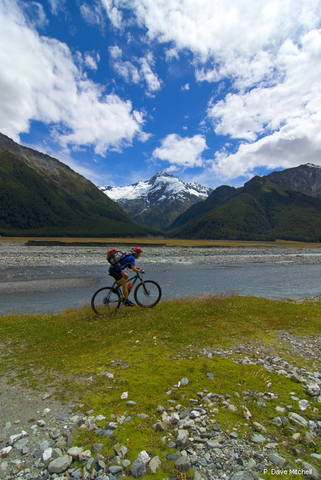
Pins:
<point x="41" y="196"/>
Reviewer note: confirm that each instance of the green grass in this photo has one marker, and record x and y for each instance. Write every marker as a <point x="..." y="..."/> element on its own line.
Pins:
<point x="149" y="351"/>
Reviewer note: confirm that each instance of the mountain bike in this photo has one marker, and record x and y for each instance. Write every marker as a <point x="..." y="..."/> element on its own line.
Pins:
<point x="147" y="294"/>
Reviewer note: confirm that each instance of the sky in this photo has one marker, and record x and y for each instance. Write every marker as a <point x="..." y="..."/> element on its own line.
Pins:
<point x="213" y="91"/>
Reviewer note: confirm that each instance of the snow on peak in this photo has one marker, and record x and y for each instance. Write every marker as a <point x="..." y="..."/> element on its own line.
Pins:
<point x="167" y="185"/>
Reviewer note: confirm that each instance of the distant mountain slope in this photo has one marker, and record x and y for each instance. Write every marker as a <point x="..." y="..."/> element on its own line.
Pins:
<point x="261" y="210"/>
<point x="157" y="202"/>
<point x="304" y="179"/>
<point x="40" y="196"/>
<point x="216" y="198"/>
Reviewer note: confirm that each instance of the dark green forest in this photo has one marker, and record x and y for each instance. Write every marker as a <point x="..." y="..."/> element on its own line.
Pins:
<point x="259" y="211"/>
<point x="32" y="204"/>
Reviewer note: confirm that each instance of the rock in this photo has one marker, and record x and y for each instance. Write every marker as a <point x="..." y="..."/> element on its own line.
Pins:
<point x="47" y="454"/>
<point x="311" y="472"/>
<point x="97" y="447"/>
<point x="172" y="458"/>
<point x="138" y="468"/>
<point x="184" y="381"/>
<point x="242" y="476"/>
<point x="144" y="457"/>
<point x="115" y="470"/>
<point x="154" y="464"/>
<point x="258" y="427"/>
<point x="312" y="389"/>
<point x="14" y="438"/>
<point x="120" y="450"/>
<point x="277" y="459"/>
<point x="316" y="455"/>
<point x="256" y="438"/>
<point x="182" y="437"/>
<point x="74" y="452"/>
<point x="297" y="419"/>
<point x="304" y="404"/>
<point x="60" y="465"/>
<point x="183" y="464"/>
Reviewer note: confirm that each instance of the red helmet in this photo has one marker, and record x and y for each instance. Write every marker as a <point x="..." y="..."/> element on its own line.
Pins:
<point x="136" y="250"/>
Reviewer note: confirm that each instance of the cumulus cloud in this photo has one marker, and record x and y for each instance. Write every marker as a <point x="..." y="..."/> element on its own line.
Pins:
<point x="91" y="62"/>
<point x="185" y="87"/>
<point x="36" y="14"/>
<point x="269" y="53"/>
<point x="114" y="14"/>
<point x="153" y="83"/>
<point x="209" y="28"/>
<point x="126" y="70"/>
<point x="277" y="120"/>
<point x="171" y="53"/>
<point x="182" y="152"/>
<point x="40" y="81"/>
<point x="132" y="74"/>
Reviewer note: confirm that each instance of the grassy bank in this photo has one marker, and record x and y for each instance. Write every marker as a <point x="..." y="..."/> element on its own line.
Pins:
<point x="168" y="242"/>
<point x="148" y="351"/>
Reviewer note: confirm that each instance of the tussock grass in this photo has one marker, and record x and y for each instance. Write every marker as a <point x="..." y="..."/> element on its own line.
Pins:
<point x="149" y="351"/>
<point x="168" y="242"/>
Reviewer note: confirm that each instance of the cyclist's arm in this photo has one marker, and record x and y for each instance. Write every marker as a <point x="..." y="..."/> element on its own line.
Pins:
<point x="135" y="269"/>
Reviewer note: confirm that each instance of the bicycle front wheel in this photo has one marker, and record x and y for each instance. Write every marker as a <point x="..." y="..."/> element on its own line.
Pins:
<point x="147" y="294"/>
<point x="105" y="300"/>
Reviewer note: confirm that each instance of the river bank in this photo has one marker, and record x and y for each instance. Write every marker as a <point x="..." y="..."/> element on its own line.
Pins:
<point x="20" y="254"/>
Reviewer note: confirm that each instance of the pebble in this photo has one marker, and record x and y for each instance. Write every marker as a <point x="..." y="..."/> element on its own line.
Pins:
<point x="195" y="441"/>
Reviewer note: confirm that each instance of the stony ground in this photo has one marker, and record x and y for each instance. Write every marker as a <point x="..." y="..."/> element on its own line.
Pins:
<point x="37" y="432"/>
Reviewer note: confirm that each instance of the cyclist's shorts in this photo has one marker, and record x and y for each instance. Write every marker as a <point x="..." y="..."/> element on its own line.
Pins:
<point x="115" y="272"/>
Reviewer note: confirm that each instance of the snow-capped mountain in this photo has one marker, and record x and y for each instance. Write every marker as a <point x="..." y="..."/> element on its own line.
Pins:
<point x="159" y="200"/>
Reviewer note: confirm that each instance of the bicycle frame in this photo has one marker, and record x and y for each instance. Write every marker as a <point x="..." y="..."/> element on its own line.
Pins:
<point x="146" y="294"/>
<point x="133" y="279"/>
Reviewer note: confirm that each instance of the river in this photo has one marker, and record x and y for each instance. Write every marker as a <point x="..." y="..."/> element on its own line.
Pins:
<point x="57" y="288"/>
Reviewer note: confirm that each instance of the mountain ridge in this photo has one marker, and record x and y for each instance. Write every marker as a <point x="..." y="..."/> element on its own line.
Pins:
<point x="260" y="210"/>
<point x="41" y="196"/>
<point x="158" y="201"/>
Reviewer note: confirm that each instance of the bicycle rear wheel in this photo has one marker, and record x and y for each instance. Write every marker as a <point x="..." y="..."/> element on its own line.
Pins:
<point x="105" y="300"/>
<point x="147" y="294"/>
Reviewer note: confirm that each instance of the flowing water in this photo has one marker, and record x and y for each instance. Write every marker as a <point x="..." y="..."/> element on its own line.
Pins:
<point x="55" y="289"/>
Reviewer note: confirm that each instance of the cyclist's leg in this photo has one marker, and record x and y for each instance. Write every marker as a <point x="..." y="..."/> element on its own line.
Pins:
<point x="123" y="284"/>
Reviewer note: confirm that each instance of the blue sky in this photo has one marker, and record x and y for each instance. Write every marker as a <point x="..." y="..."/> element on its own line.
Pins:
<point x="213" y="91"/>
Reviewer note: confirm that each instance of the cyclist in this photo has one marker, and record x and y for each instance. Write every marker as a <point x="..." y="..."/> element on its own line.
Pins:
<point x="116" y="271"/>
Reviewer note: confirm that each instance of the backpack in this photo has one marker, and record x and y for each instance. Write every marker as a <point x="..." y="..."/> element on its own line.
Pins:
<point x="114" y="256"/>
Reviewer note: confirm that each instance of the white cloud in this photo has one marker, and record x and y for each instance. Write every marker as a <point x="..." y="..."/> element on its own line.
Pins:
<point x="36" y="14"/>
<point x="185" y="87"/>
<point x="269" y="52"/>
<point x="171" y="53"/>
<point x="210" y="28"/>
<point x="287" y="114"/>
<point x="40" y="81"/>
<point x="91" y="62"/>
<point x="182" y="152"/>
<point x="115" y="15"/>
<point x="92" y="14"/>
<point x="131" y="73"/>
<point x="153" y="83"/>
<point x="56" y="6"/>
<point x="125" y="69"/>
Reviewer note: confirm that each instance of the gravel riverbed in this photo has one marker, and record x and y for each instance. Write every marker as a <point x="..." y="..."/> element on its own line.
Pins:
<point x="16" y="254"/>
